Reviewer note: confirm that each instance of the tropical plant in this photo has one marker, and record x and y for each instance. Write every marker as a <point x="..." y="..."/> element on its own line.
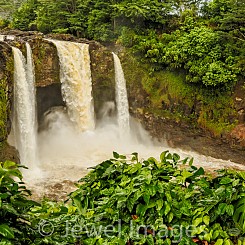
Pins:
<point x="14" y="225"/>
<point x="127" y="201"/>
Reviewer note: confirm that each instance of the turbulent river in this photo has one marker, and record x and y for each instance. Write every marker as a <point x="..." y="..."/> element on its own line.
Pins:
<point x="66" y="154"/>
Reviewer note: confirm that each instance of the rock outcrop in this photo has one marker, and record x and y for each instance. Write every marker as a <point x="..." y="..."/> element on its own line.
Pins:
<point x="102" y="68"/>
<point x="6" y="98"/>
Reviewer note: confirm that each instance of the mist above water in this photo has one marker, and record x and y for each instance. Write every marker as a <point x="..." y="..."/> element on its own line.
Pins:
<point x="65" y="153"/>
<point x="61" y="142"/>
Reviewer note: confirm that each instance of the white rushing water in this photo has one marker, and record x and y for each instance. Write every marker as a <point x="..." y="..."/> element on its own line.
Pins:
<point x="2" y="38"/>
<point x="75" y="76"/>
<point x="121" y="98"/>
<point x="10" y="37"/>
<point x="24" y="118"/>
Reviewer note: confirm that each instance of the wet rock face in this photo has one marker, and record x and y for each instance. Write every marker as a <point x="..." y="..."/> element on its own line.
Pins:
<point x="48" y="97"/>
<point x="103" y="77"/>
<point x="184" y="136"/>
<point x="46" y="62"/>
<point x="6" y="98"/>
<point x="8" y="152"/>
<point x="6" y="89"/>
<point x="238" y="136"/>
<point x="239" y="101"/>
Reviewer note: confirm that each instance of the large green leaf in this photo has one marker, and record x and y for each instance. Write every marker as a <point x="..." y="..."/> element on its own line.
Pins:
<point x="239" y="214"/>
<point x="6" y="231"/>
<point x="5" y="242"/>
<point x="141" y="209"/>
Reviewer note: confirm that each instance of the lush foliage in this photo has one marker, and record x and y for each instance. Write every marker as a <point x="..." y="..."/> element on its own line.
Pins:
<point x="199" y="50"/>
<point x="14" y="227"/>
<point x="3" y="110"/>
<point x="7" y="7"/>
<point x="206" y="39"/>
<point x="126" y="201"/>
<point x="161" y="202"/>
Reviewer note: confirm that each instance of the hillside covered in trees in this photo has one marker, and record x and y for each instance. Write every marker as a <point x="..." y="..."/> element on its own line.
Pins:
<point x="203" y="38"/>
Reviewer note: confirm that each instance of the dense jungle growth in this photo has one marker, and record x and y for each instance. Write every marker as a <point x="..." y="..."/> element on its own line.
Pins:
<point x="205" y="39"/>
<point x="126" y="201"/>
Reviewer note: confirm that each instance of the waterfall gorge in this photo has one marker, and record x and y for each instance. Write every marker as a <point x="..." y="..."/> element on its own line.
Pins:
<point x="71" y="142"/>
<point x="24" y="118"/>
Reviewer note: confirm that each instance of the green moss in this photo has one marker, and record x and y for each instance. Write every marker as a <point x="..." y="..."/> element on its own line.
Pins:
<point x="217" y="128"/>
<point x="103" y="77"/>
<point x="46" y="62"/>
<point x="10" y="66"/>
<point x="3" y="110"/>
<point x="6" y="84"/>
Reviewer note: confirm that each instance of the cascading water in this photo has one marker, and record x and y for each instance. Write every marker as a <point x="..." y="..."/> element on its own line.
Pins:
<point x="121" y="98"/>
<point x="75" y="76"/>
<point x="2" y="38"/>
<point x="30" y="75"/>
<point x="24" y="118"/>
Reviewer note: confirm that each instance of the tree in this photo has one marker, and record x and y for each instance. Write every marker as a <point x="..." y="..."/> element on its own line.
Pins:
<point x="144" y="14"/>
<point x="52" y="15"/>
<point x="25" y="16"/>
<point x="228" y="18"/>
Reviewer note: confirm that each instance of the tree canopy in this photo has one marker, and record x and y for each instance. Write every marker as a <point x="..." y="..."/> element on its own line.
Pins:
<point x="203" y="38"/>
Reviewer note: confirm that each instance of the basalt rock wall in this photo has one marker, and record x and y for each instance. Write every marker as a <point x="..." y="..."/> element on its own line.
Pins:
<point x="6" y="98"/>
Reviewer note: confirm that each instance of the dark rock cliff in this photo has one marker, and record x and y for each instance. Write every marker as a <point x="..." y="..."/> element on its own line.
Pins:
<point x="6" y="98"/>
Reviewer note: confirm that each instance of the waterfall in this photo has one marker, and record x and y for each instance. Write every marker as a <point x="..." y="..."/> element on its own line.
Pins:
<point x="75" y="76"/>
<point x="10" y="37"/>
<point x="2" y="38"/>
<point x="121" y="98"/>
<point x="24" y="121"/>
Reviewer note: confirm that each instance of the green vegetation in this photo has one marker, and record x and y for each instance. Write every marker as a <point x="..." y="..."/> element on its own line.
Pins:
<point x="3" y="110"/>
<point x="193" y="50"/>
<point x="14" y="204"/>
<point x="126" y="201"/>
<point x="7" y="8"/>
<point x="7" y="63"/>
<point x="168" y="95"/>
<point x="206" y="39"/>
